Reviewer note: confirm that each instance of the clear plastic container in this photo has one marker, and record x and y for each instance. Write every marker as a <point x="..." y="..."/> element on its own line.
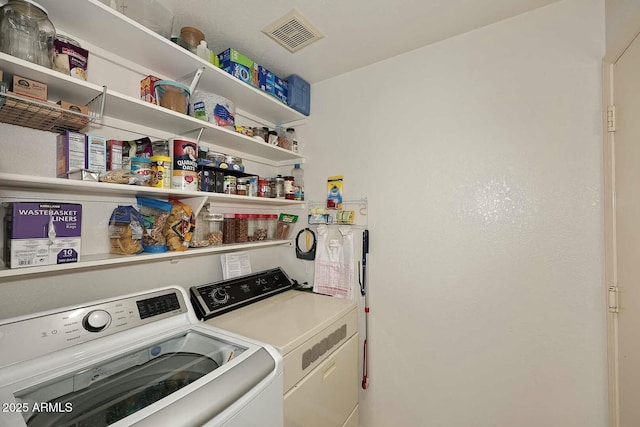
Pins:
<point x="298" y="182"/>
<point x="215" y="235"/>
<point x="293" y="139"/>
<point x="252" y="227"/>
<point x="242" y="228"/>
<point x="229" y="228"/>
<point x="261" y="227"/>
<point x="200" y="237"/>
<point x="272" y="226"/>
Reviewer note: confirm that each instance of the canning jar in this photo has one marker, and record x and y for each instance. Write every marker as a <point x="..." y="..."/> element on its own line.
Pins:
<point x="230" y="185"/>
<point x="289" y="188"/>
<point x="241" y="187"/>
<point x="26" y="32"/>
<point x="278" y="189"/>
<point x="264" y="189"/>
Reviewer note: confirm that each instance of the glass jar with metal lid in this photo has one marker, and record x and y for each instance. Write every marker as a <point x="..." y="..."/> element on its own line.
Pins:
<point x="26" y="32"/>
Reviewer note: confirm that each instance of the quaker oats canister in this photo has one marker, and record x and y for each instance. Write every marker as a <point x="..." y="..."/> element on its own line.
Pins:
<point x="185" y="164"/>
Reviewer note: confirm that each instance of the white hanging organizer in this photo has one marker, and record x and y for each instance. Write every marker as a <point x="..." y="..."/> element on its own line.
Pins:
<point x="340" y="225"/>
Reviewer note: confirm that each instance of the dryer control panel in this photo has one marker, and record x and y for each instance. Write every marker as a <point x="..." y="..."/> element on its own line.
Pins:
<point x="214" y="299"/>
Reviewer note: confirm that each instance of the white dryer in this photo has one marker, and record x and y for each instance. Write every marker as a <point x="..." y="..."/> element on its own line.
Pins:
<point x="316" y="334"/>
<point x="141" y="359"/>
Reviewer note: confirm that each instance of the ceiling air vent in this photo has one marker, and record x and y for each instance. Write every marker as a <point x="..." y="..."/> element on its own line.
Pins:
<point x="293" y="31"/>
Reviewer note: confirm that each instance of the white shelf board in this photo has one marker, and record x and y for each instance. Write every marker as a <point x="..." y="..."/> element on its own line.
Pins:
<point x="60" y="86"/>
<point x="102" y="26"/>
<point x="130" y="109"/>
<point x="66" y="186"/>
<point x="102" y="260"/>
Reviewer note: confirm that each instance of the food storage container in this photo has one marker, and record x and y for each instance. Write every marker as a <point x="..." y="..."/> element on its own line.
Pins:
<point x="26" y="32"/>
<point x="190" y="38"/>
<point x="172" y="95"/>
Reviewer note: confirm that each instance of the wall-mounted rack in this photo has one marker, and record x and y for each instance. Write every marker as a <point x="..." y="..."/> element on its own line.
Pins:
<point x="353" y="212"/>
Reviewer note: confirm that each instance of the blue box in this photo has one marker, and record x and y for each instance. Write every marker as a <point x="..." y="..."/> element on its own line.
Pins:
<point x="239" y="66"/>
<point x="299" y="94"/>
<point x="272" y="84"/>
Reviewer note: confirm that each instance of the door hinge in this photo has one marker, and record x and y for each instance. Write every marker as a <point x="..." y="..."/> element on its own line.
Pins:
<point x="613" y="299"/>
<point x="611" y="118"/>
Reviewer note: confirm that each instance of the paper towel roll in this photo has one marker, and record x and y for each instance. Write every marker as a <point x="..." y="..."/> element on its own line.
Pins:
<point x="220" y="110"/>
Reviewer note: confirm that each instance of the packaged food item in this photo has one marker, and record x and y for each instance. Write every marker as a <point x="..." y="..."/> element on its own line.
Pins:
<point x="154" y="214"/>
<point x="285" y="225"/>
<point x="70" y="58"/>
<point x="147" y="89"/>
<point x="141" y="166"/>
<point x="334" y="192"/>
<point x="125" y="231"/>
<point x="178" y="229"/>
<point x="120" y="176"/>
<point x="185" y="164"/>
<point x="114" y="154"/>
<point x="161" y="171"/>
<point x="42" y="233"/>
<point x="96" y="153"/>
<point x="30" y="88"/>
<point x="144" y="147"/>
<point x="70" y="152"/>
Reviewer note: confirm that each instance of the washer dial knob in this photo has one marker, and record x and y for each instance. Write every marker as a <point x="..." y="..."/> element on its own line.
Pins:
<point x="96" y="320"/>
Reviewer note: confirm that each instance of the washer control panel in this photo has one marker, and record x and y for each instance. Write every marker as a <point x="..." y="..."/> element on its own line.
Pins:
<point x="214" y="299"/>
<point x="47" y="332"/>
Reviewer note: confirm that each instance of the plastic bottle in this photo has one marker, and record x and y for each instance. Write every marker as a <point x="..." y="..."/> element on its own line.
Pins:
<point x="203" y="51"/>
<point x="298" y="182"/>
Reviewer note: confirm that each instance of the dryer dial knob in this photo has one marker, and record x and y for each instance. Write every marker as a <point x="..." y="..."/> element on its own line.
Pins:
<point x="220" y="296"/>
<point x="96" y="320"/>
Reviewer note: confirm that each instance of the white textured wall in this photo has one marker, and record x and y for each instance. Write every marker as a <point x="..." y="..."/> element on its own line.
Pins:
<point x="481" y="159"/>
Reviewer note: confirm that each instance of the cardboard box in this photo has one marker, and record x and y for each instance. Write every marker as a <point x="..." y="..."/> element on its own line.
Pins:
<point x="96" y="153"/>
<point x="239" y="66"/>
<point x="42" y="233"/>
<point x="29" y="88"/>
<point x="76" y="108"/>
<point x="114" y="154"/>
<point x="147" y="89"/>
<point x="70" y="152"/>
<point x="272" y="84"/>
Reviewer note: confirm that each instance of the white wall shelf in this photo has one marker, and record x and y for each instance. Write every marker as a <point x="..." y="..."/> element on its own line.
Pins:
<point x="76" y="187"/>
<point x="130" y="109"/>
<point x="114" y="32"/>
<point x="104" y="260"/>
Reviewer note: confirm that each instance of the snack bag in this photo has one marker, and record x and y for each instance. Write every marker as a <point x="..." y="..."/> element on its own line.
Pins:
<point x="178" y="230"/>
<point x="154" y="214"/>
<point x="125" y="231"/>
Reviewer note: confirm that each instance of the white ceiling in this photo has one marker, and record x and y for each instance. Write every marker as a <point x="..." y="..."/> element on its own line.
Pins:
<point x="356" y="32"/>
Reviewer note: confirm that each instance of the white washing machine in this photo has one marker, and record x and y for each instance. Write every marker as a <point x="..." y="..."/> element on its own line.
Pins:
<point x="316" y="334"/>
<point x="141" y="359"/>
